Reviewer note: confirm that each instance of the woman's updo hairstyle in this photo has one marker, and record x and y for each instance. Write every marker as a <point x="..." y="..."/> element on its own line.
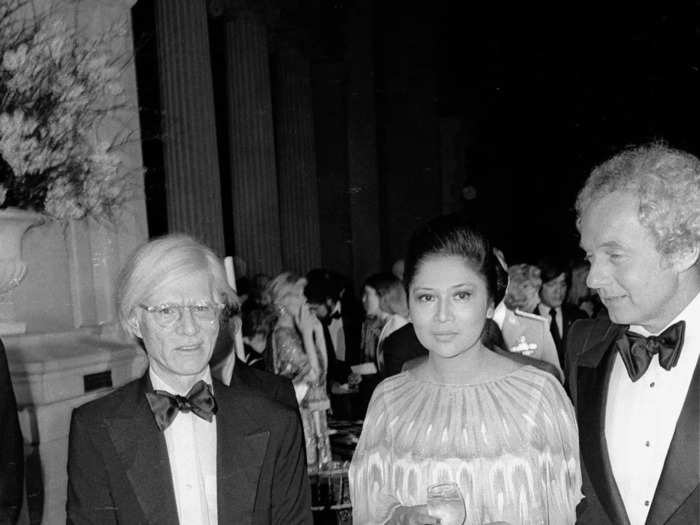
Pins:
<point x="450" y="236"/>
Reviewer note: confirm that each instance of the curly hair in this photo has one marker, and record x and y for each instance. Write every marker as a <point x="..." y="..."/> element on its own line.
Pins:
<point x="667" y="183"/>
<point x="523" y="281"/>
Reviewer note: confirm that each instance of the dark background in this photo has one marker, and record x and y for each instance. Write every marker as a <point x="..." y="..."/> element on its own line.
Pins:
<point x="541" y="93"/>
<point x="549" y="90"/>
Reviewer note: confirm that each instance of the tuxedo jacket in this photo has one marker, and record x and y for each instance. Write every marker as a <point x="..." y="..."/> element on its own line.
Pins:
<point x="273" y="386"/>
<point x="402" y="345"/>
<point x="119" y="471"/>
<point x="11" y="448"/>
<point x="591" y="346"/>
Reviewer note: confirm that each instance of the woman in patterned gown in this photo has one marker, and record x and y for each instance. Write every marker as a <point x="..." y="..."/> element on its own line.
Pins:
<point x="503" y="431"/>
<point x="299" y="353"/>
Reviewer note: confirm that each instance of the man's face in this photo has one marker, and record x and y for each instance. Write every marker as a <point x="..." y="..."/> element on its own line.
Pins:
<point x="184" y="347"/>
<point x="322" y="310"/>
<point x="553" y="292"/>
<point x="637" y="284"/>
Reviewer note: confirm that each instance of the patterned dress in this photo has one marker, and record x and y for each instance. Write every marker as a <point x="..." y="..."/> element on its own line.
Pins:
<point x="290" y="360"/>
<point x="511" y="445"/>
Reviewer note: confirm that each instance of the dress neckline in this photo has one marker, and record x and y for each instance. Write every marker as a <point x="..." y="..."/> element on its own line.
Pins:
<point x="411" y="375"/>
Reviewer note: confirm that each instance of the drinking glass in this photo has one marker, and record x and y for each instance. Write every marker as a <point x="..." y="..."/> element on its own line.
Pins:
<point x="446" y="503"/>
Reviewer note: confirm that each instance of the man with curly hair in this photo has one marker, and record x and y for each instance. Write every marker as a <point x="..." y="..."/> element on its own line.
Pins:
<point x="634" y="378"/>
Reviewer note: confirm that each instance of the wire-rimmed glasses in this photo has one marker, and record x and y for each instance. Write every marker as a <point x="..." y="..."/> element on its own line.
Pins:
<point x="166" y="315"/>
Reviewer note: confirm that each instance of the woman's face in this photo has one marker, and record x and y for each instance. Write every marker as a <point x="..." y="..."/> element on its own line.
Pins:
<point x="370" y="301"/>
<point x="448" y="305"/>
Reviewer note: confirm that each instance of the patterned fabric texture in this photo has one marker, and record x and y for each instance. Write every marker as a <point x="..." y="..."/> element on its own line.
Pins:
<point x="511" y="444"/>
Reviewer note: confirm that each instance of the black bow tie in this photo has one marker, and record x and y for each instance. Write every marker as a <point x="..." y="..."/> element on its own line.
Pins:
<point x="165" y="406"/>
<point x="332" y="317"/>
<point x="637" y="351"/>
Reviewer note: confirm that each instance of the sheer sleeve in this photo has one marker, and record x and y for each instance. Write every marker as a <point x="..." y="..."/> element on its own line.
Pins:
<point x="559" y="422"/>
<point x="371" y="483"/>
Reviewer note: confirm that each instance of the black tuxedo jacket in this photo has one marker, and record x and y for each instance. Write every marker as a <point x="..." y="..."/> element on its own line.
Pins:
<point x="569" y="314"/>
<point x="402" y="345"/>
<point x="119" y="472"/>
<point x="273" y="386"/>
<point x="676" y="501"/>
<point x="11" y="448"/>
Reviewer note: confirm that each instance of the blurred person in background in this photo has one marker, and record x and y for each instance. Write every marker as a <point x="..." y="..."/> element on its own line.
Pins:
<point x="330" y="299"/>
<point x="561" y="315"/>
<point x="580" y="295"/>
<point x="299" y="353"/>
<point x="384" y="300"/>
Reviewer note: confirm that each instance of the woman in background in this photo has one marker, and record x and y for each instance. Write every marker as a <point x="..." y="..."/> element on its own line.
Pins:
<point x="386" y="309"/>
<point x="299" y="353"/>
<point x="503" y="432"/>
<point x="524" y="283"/>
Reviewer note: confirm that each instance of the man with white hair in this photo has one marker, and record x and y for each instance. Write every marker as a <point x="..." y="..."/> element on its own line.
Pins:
<point x="176" y="446"/>
<point x="634" y="377"/>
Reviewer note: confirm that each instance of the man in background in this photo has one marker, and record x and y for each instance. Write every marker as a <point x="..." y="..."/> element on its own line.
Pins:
<point x="330" y="299"/>
<point x="561" y="315"/>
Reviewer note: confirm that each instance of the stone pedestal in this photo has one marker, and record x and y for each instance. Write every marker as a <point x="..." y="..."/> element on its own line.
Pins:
<point x="51" y="375"/>
<point x="253" y="174"/>
<point x="193" y="188"/>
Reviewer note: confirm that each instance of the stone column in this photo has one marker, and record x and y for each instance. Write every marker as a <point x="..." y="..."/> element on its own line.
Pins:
<point x="296" y="160"/>
<point x="256" y="223"/>
<point x="193" y="187"/>
<point x="363" y="183"/>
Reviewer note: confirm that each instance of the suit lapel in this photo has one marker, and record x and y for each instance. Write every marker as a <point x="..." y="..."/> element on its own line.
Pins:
<point x="241" y="447"/>
<point x="593" y="375"/>
<point x="679" y="476"/>
<point x="142" y="450"/>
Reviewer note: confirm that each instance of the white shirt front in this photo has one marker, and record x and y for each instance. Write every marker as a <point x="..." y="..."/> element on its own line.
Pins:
<point x="545" y="311"/>
<point x="191" y="443"/>
<point x="641" y="417"/>
<point x="337" y="332"/>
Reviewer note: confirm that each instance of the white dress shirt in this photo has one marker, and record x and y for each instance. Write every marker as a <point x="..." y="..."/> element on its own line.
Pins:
<point x="641" y="417"/>
<point x="337" y="332"/>
<point x="545" y="311"/>
<point x="191" y="443"/>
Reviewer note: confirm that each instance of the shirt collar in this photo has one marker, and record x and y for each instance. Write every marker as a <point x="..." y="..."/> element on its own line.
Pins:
<point x="160" y="384"/>
<point x="689" y="313"/>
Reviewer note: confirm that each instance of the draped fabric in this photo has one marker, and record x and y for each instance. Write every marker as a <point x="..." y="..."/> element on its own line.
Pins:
<point x="511" y="444"/>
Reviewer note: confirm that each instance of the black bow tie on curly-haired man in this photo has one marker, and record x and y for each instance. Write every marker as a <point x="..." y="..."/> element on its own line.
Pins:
<point x="634" y="377"/>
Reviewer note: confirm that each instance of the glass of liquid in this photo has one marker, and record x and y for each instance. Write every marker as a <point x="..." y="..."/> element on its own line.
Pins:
<point x="446" y="503"/>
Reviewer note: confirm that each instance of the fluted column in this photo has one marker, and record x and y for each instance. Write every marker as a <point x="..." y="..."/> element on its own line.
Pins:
<point x="296" y="160"/>
<point x="251" y="143"/>
<point x="363" y="179"/>
<point x="193" y="187"/>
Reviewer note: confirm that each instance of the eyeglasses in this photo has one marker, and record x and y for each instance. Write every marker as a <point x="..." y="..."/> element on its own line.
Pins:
<point x="166" y="315"/>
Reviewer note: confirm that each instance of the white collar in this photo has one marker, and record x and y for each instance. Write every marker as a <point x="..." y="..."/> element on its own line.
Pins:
<point x="159" y="383"/>
<point x="690" y="312"/>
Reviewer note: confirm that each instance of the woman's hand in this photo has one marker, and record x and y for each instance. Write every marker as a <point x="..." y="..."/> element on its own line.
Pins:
<point x="415" y="515"/>
<point x="305" y="319"/>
